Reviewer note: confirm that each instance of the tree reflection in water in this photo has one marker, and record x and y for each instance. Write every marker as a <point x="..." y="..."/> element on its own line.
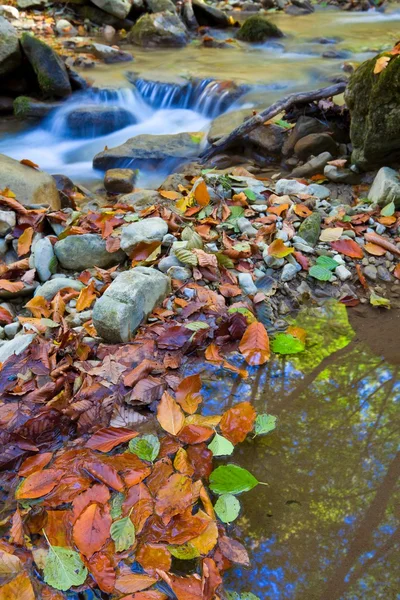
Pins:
<point x="327" y="527"/>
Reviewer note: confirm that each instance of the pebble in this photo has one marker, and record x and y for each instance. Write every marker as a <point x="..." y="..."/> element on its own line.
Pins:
<point x="259" y="208"/>
<point x="380" y="229"/>
<point x="371" y="272"/>
<point x="342" y="272"/>
<point x="179" y="273"/>
<point x="282" y="235"/>
<point x="337" y="258"/>
<point x="272" y="261"/>
<point x="7" y="221"/>
<point x="383" y="273"/>
<point x="319" y="191"/>
<point x="3" y="246"/>
<point x="189" y="293"/>
<point x="290" y="186"/>
<point x="349" y="233"/>
<point x="168" y="239"/>
<point x="12" y="329"/>
<point x="289" y="271"/>
<point x="247" y="284"/>
<point x="246" y="227"/>
<point x="168" y="262"/>
<point x="389" y="256"/>
<point x="2" y="334"/>
<point x="303" y="247"/>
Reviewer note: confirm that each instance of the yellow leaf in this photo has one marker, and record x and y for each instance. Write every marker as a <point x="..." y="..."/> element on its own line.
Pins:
<point x="25" y="241"/>
<point x="381" y="64"/>
<point x="201" y="194"/>
<point x="183" y="203"/>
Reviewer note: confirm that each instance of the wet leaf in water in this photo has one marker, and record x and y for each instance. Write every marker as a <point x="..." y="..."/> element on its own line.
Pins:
<point x="184" y="552"/>
<point x="9" y="563"/>
<point x="39" y="484"/>
<point x="170" y="415"/>
<point x="231" y="479"/>
<point x="92" y="529"/>
<point x="63" y="568"/>
<point x="284" y="343"/>
<point x="237" y="422"/>
<point x="145" y="447"/>
<point x="19" y="588"/>
<point x="154" y="556"/>
<point x="227" y="508"/>
<point x="220" y="446"/>
<point x="264" y="424"/>
<point x="123" y="534"/>
<point x="108" y="438"/>
<point x="254" y="344"/>
<point x="103" y="572"/>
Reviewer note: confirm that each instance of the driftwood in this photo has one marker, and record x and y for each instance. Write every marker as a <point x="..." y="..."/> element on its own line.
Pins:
<point x="270" y="112"/>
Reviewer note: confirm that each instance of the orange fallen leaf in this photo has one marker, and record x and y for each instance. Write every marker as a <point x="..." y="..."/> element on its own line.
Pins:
<point x="374" y="249"/>
<point x="201" y="194"/>
<point x="396" y="271"/>
<point x="381" y="64"/>
<point x="302" y="210"/>
<point x="237" y="422"/>
<point x="278" y="249"/>
<point x="170" y="415"/>
<point x="86" y="297"/>
<point x="25" y="241"/>
<point x="39" y="484"/>
<point x="29" y="163"/>
<point x="254" y="344"/>
<point x="92" y="529"/>
<point x="169" y="195"/>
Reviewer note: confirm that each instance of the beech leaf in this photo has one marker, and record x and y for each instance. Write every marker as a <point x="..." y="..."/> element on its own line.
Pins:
<point x="123" y="534"/>
<point x="231" y="479"/>
<point x="64" y="568"/>
<point x="220" y="446"/>
<point x="264" y="424"/>
<point x="284" y="343"/>
<point x="254" y="344"/>
<point x="170" y="415"/>
<point x="145" y="447"/>
<point x="227" y="508"/>
<point x="107" y="438"/>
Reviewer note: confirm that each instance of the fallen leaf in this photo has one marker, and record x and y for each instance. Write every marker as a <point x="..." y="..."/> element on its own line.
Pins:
<point x="154" y="556"/>
<point x="237" y="422"/>
<point x="381" y="64"/>
<point x="19" y="588"/>
<point x="106" y="439"/>
<point x="278" y="249"/>
<point x="25" y="241"/>
<point x="170" y="415"/>
<point x="254" y="344"/>
<point x="9" y="563"/>
<point x="29" y="163"/>
<point x="348" y="248"/>
<point x="102" y="571"/>
<point x="34" y="464"/>
<point x="39" y="484"/>
<point x="374" y="249"/>
<point x="187" y="393"/>
<point x="201" y="194"/>
<point x="129" y="583"/>
<point x="86" y="297"/>
<point x="302" y="210"/>
<point x="11" y="286"/>
<point x="331" y="234"/>
<point x="92" y="529"/>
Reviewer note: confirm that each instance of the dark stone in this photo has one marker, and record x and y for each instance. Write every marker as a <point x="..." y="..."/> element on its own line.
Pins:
<point x="209" y="15"/>
<point x="315" y="144"/>
<point x="30" y="108"/>
<point x="120" y="181"/>
<point x="258" y="29"/>
<point x="94" y="120"/>
<point x="304" y="126"/>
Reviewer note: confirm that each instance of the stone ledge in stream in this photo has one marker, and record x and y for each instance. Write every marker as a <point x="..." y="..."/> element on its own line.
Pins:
<point x="150" y="147"/>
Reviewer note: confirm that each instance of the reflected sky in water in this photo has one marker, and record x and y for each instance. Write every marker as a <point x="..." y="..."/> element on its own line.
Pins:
<point x="327" y="526"/>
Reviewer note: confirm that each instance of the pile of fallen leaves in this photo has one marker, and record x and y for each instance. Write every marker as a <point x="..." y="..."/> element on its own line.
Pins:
<point x="113" y="511"/>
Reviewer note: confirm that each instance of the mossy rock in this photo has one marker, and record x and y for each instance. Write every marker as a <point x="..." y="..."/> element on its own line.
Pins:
<point x="258" y="29"/>
<point x="374" y="103"/>
<point x="21" y="107"/>
<point x="310" y="229"/>
<point x="49" y="68"/>
<point x="159" y="29"/>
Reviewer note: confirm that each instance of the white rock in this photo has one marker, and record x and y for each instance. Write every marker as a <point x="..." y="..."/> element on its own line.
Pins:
<point x="319" y="191"/>
<point x="7" y="221"/>
<point x="385" y="188"/>
<point x="12" y="329"/>
<point x="290" y="186"/>
<point x="148" y="230"/>
<point x="247" y="284"/>
<point x="342" y="272"/>
<point x="289" y="272"/>
<point x="246" y="227"/>
<point x="15" y="346"/>
<point x="44" y="259"/>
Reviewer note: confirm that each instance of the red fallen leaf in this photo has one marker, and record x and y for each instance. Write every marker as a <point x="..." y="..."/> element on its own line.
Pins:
<point x="361" y="277"/>
<point x="106" y="439"/>
<point x="113" y="244"/>
<point x="187" y="393"/>
<point x="133" y="582"/>
<point x="211" y="578"/>
<point x="237" y="422"/>
<point x="200" y="458"/>
<point x="184" y="588"/>
<point x="47" y="593"/>
<point x="17" y="528"/>
<point x="170" y="415"/>
<point x="39" y="484"/>
<point x="233" y="551"/>
<point x="97" y="493"/>
<point x="302" y="260"/>
<point x="254" y="344"/>
<point x="11" y="286"/>
<point x="348" y="248"/>
<point x="102" y="571"/>
<point x="396" y="271"/>
<point x="5" y="316"/>
<point x="25" y="241"/>
<point x="195" y="434"/>
<point x="229" y="290"/>
<point x="154" y="556"/>
<point x="34" y="463"/>
<point x="29" y="163"/>
<point x="349" y="301"/>
<point x="92" y="529"/>
<point x="174" y="497"/>
<point x="105" y="473"/>
<point x="201" y="194"/>
<point x="86" y="297"/>
<point x="18" y="588"/>
<point x="143" y="250"/>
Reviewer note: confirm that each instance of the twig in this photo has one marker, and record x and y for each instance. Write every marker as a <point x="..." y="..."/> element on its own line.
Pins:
<point x="282" y="105"/>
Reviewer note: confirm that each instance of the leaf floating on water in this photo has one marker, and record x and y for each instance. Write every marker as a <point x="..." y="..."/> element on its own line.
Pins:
<point x="220" y="446"/>
<point x="123" y="534"/>
<point x="231" y="479"/>
<point x="254" y="344"/>
<point x="170" y="415"/>
<point x="284" y="343"/>
<point x="237" y="422"/>
<point x="108" y="438"/>
<point x="227" y="508"/>
<point x="64" y="568"/>
<point x="38" y="484"/>
<point x="184" y="552"/>
<point x="376" y="300"/>
<point x="264" y="424"/>
<point x="145" y="447"/>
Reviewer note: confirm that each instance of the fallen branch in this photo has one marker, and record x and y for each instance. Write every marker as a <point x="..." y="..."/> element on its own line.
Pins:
<point x="282" y="105"/>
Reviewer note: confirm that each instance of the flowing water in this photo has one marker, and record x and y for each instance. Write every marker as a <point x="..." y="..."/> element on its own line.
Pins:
<point x="171" y="105"/>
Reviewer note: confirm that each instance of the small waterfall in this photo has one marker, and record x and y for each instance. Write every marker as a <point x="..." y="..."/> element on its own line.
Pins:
<point x="209" y="97"/>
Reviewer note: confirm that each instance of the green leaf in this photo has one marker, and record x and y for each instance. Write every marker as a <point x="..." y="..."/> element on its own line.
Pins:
<point x="131" y="218"/>
<point x="117" y="501"/>
<point x="243" y="311"/>
<point x="220" y="446"/>
<point x="145" y="447"/>
<point x="284" y="343"/>
<point x="205" y="212"/>
<point x="320" y="273"/>
<point x="196" y="325"/>
<point x="123" y="534"/>
<point x="388" y="210"/>
<point x="227" y="508"/>
<point x="184" y="552"/>
<point x="327" y="262"/>
<point x="186" y="257"/>
<point x="250" y="194"/>
<point x="236" y="213"/>
<point x="63" y="568"/>
<point x="192" y="238"/>
<point x="264" y="424"/>
<point x="224" y="261"/>
<point x="196" y="137"/>
<point x="376" y="300"/>
<point x="231" y="479"/>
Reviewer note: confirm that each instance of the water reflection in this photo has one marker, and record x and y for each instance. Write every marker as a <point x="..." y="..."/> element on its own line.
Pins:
<point x="327" y="527"/>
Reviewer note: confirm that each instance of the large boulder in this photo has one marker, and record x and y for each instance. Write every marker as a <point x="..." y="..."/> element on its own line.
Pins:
<point x="93" y="120"/>
<point x="30" y="186"/>
<point x="209" y="15"/>
<point x="78" y="252"/>
<point x="258" y="29"/>
<point x="385" y="188"/>
<point x="373" y="100"/>
<point x="116" y="8"/>
<point x="50" y="70"/>
<point x="30" y="108"/>
<point x="128" y="301"/>
<point x="10" y="54"/>
<point x="148" y="230"/>
<point x="149" y="147"/>
<point x="159" y="29"/>
<point x="156" y="6"/>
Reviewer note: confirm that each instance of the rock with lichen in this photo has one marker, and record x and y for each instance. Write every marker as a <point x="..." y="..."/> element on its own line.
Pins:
<point x="49" y="68"/>
<point x="258" y="29"/>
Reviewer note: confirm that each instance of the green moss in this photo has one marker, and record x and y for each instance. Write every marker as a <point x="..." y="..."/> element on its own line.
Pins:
<point x="258" y="29"/>
<point x="21" y="107"/>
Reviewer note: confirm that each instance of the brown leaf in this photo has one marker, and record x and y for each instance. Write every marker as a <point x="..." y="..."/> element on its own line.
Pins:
<point x="154" y="556"/>
<point x="86" y="297"/>
<point x="20" y="588"/>
<point x="102" y="571"/>
<point x="237" y="422"/>
<point x="17" y="528"/>
<point x="39" y="484"/>
<point x="195" y="434"/>
<point x="348" y="248"/>
<point x="105" y="473"/>
<point x="34" y="464"/>
<point x="129" y="583"/>
<point x="374" y="249"/>
<point x="97" y="493"/>
<point x="174" y="496"/>
<point x="29" y="163"/>
<point x="11" y="286"/>
<point x="381" y="64"/>
<point x="233" y="551"/>
<point x="170" y="415"/>
<point x="187" y="393"/>
<point x="10" y="564"/>
<point x="5" y="316"/>
<point x="254" y="344"/>
<point x="184" y="588"/>
<point x="106" y="439"/>
<point x="25" y="241"/>
<point x="201" y="194"/>
<point x="92" y="529"/>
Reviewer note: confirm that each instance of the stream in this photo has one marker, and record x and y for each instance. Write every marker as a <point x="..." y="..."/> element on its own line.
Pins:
<point x="268" y="71"/>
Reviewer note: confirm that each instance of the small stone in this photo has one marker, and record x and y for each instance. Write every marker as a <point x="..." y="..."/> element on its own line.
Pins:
<point x="288" y="272"/>
<point x="64" y="27"/>
<point x="349" y="233"/>
<point x="12" y="329"/>
<point x="319" y="191"/>
<point x="385" y="188"/>
<point x="337" y="258"/>
<point x="247" y="284"/>
<point x="44" y="259"/>
<point x="179" y="273"/>
<point x="312" y="167"/>
<point x="246" y="227"/>
<point x="289" y="186"/>
<point x="49" y="289"/>
<point x="371" y="272"/>
<point x="310" y="228"/>
<point x="120" y="181"/>
<point x="282" y="235"/>
<point x="341" y="175"/>
<point x="383" y="273"/>
<point x="79" y="252"/>
<point x="2" y="334"/>
<point x="380" y="229"/>
<point x="167" y="262"/>
<point x="343" y="273"/>
<point x="271" y="261"/>
<point x="303" y="247"/>
<point x="148" y="230"/>
<point x="7" y="221"/>
<point x="259" y="208"/>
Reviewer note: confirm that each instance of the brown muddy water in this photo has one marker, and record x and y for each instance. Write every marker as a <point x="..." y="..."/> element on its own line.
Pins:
<point x="327" y="525"/>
